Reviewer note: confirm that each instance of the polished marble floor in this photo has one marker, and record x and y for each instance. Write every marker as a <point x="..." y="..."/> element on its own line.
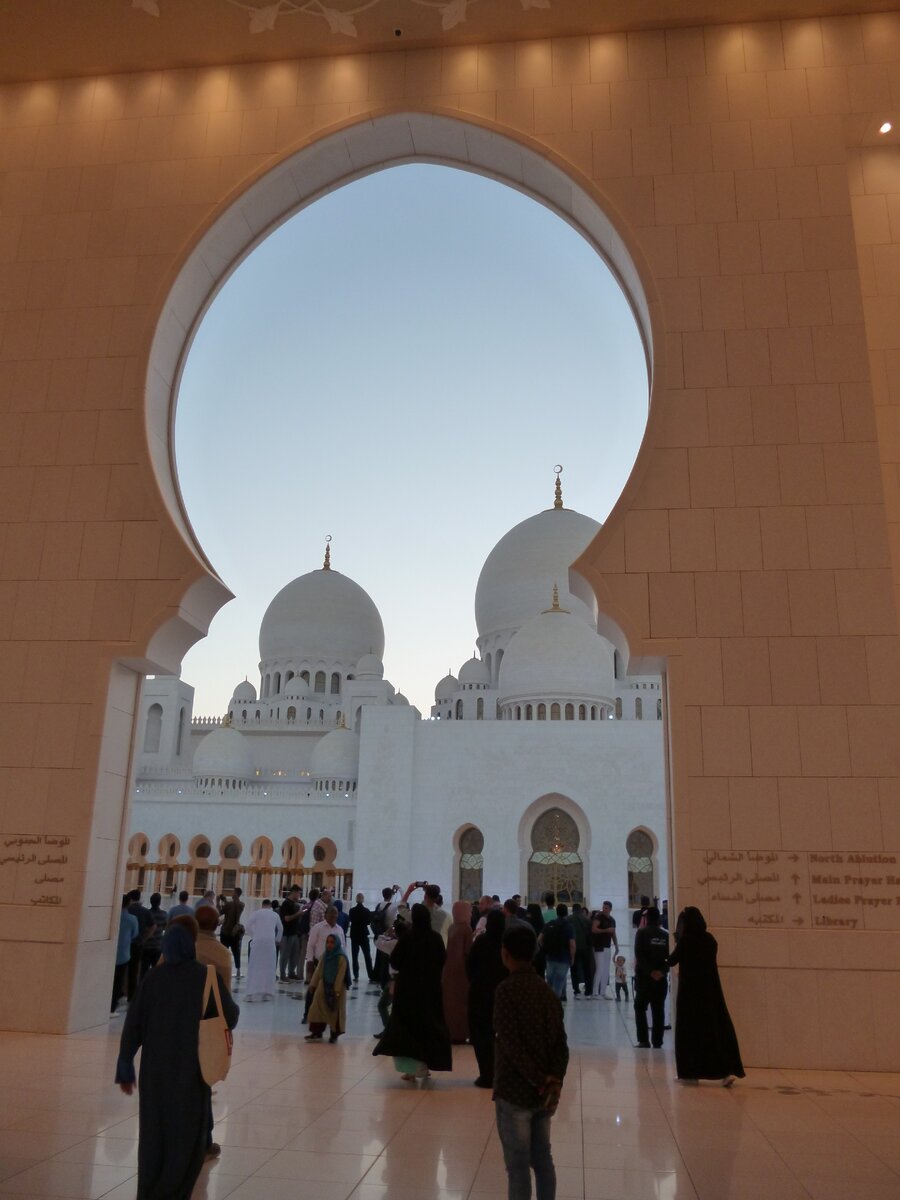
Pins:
<point x="320" y="1122"/>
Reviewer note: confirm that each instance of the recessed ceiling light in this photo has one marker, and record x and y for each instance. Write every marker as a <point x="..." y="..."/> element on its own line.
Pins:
<point x="886" y="127"/>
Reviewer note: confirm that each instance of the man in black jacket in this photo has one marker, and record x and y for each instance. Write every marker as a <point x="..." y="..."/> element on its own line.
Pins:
<point x="360" y="919"/>
<point x="651" y="969"/>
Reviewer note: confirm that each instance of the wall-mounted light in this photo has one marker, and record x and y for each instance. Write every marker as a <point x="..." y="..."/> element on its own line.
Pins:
<point x="886" y="127"/>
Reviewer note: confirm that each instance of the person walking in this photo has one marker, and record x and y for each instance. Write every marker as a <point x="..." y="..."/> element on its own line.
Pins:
<point x="360" y="920"/>
<point x="210" y="950"/>
<point x="128" y="935"/>
<point x="231" y="934"/>
<point x="603" y="935"/>
<point x="583" y="962"/>
<point x="163" y="1022"/>
<point x="706" y="1046"/>
<point x="290" y="913"/>
<point x="532" y="1055"/>
<point x="416" y="1036"/>
<point x="329" y="988"/>
<point x="486" y="971"/>
<point x="454" y="982"/>
<point x="651" y="969"/>
<point x="142" y="913"/>
<point x="264" y="931"/>
<point x="151" y="948"/>
<point x="182" y="908"/>
<point x="558" y="944"/>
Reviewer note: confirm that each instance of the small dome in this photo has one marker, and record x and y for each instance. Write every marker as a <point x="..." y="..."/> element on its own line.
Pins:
<point x="245" y="692"/>
<point x="296" y="686"/>
<point x="321" y="616"/>
<point x="336" y="755"/>
<point x="474" y="671"/>
<point x="447" y="686"/>
<point x="400" y="699"/>
<point x="519" y="572"/>
<point x="556" y="656"/>
<point x="370" y="666"/>
<point x="224" y="753"/>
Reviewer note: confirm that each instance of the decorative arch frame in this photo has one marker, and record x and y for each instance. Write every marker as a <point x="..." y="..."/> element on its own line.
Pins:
<point x="458" y="835"/>
<point x="526" y="824"/>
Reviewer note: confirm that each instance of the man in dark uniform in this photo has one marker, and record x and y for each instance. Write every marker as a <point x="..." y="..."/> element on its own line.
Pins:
<point x="651" y="969"/>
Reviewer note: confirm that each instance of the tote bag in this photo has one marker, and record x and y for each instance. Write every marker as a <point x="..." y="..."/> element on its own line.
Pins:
<point x="215" y="1043"/>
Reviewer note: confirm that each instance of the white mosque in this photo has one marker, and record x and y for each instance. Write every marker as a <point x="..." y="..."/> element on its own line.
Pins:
<point x="540" y="766"/>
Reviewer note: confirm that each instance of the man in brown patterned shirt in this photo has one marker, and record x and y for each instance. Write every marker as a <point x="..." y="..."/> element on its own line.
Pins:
<point x="531" y="1056"/>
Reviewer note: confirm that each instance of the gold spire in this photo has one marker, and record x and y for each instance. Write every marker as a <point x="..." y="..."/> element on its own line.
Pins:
<point x="342" y="724"/>
<point x="555" y="606"/>
<point x="326" y="565"/>
<point x="557" y="503"/>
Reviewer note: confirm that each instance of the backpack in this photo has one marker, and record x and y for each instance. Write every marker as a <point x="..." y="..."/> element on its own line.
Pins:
<point x="378" y="922"/>
<point x="556" y="943"/>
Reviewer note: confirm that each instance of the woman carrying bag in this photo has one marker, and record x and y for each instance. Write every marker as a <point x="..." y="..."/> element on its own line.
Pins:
<point x="329" y="988"/>
<point x="164" y="1022"/>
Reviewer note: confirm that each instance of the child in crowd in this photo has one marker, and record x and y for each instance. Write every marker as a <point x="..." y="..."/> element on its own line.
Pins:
<point x="621" y="978"/>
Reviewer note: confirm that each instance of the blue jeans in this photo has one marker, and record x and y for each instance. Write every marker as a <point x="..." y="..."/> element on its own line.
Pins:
<point x="525" y="1137"/>
<point x="557" y="974"/>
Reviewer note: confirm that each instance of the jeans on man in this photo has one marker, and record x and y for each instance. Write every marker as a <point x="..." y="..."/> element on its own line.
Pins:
<point x="583" y="971"/>
<point x="233" y="942"/>
<point x="601" y="970"/>
<point x="357" y="944"/>
<point x="525" y="1137"/>
<point x="652" y="992"/>
<point x="289" y="957"/>
<point x="557" y="973"/>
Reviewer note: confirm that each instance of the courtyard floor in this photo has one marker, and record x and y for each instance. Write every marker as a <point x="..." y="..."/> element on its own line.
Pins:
<point x="320" y="1122"/>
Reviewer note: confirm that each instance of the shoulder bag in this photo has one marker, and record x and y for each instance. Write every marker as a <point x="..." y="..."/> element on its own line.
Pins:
<point x="215" y="1042"/>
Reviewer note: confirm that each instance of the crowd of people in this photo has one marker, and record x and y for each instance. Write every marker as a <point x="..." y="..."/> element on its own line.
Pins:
<point x="491" y="974"/>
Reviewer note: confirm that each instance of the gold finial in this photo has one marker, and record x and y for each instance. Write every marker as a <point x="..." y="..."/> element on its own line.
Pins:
<point x="342" y="724"/>
<point x="326" y="565"/>
<point x="557" y="503"/>
<point x="555" y="605"/>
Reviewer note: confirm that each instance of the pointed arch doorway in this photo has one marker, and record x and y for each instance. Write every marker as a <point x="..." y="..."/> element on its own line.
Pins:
<point x="555" y="864"/>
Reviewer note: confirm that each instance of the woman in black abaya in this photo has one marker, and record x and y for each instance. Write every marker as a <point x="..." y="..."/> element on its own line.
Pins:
<point x="417" y="1036"/>
<point x="486" y="970"/>
<point x="164" y="1022"/>
<point x="706" y="1045"/>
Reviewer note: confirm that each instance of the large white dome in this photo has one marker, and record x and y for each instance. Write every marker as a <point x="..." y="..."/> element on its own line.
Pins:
<point x="223" y="754"/>
<point x="556" y="656"/>
<point x="520" y="571"/>
<point x="336" y="755"/>
<point x="322" y="616"/>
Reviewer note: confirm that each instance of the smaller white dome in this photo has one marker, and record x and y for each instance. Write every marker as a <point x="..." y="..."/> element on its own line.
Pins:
<point x="297" y="686"/>
<point x="224" y="753"/>
<point x="245" y="691"/>
<point x="399" y="698"/>
<point x="370" y="666"/>
<point x="474" y="671"/>
<point x="556" y="656"/>
<point x="336" y="755"/>
<point x="447" y="686"/>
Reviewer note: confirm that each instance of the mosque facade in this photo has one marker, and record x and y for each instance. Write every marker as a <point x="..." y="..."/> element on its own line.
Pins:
<point x="539" y="767"/>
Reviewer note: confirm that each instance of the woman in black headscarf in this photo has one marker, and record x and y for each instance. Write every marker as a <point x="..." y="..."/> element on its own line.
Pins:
<point x="706" y="1045"/>
<point x="417" y="1036"/>
<point x="164" y="1021"/>
<point x="485" y="970"/>
<point x="535" y="919"/>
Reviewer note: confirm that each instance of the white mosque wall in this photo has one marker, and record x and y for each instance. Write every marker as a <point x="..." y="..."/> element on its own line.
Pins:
<point x="422" y="783"/>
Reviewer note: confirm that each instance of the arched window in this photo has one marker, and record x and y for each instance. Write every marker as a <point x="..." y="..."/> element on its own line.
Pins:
<point x="542" y="712"/>
<point x="529" y="712"/>
<point x="638" y="709"/>
<point x="276" y="683"/>
<point x="244" y="715"/>
<point x="593" y="712"/>
<point x="487" y="663"/>
<point x="321" y="716"/>
<point x="320" y="681"/>
<point x="335" y="683"/>
<point x="498" y="661"/>
<point x="267" y="684"/>
<point x="358" y="721"/>
<point x="471" y="863"/>
<point x="291" y="713"/>
<point x="479" y="709"/>
<point x="179" y="736"/>
<point x="153" y="729"/>
<point x="339" y="717"/>
<point x="554" y="711"/>
<point x="288" y="676"/>
<point x="555" y="864"/>
<point x="618" y="708"/>
<point x="459" y="710"/>
<point x="518" y="712"/>
<point x="304" y="675"/>
<point x="570" y="712"/>
<point x="309" y="714"/>
<point x="659" y="710"/>
<point x="639" y="846"/>
<point x="582" y="712"/>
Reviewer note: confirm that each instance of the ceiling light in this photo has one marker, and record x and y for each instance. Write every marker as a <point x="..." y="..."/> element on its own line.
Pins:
<point x="885" y="128"/>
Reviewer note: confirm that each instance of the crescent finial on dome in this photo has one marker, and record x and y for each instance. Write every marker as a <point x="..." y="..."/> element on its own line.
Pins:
<point x="326" y="565"/>
<point x="558" y="502"/>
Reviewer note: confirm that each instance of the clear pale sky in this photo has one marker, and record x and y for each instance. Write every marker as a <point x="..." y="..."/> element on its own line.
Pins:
<point x="400" y="365"/>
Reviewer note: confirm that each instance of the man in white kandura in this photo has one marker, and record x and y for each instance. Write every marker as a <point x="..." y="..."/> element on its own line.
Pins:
<point x="263" y="928"/>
